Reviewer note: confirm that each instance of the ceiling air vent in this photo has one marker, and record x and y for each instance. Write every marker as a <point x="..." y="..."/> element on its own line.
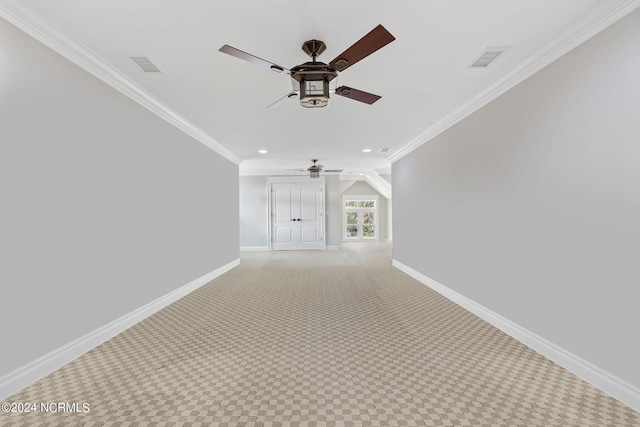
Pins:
<point x="384" y="150"/>
<point x="489" y="55"/>
<point x="144" y="63"/>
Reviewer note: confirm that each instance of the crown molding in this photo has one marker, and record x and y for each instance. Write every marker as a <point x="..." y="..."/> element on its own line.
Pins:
<point x="42" y="29"/>
<point x="595" y="22"/>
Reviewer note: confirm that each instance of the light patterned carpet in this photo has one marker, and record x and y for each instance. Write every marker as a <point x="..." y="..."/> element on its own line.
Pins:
<point x="318" y="339"/>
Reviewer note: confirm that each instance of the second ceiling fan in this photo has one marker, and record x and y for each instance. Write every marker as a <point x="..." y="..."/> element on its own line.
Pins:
<point x="315" y="169"/>
<point x="311" y="80"/>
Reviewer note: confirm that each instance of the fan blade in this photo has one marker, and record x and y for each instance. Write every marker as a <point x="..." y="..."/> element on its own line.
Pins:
<point x="253" y="59"/>
<point x="333" y="171"/>
<point x="280" y="102"/>
<point x="358" y="95"/>
<point x="376" y="39"/>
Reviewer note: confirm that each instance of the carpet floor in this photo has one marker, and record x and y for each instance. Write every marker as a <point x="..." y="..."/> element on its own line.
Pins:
<point x="317" y="339"/>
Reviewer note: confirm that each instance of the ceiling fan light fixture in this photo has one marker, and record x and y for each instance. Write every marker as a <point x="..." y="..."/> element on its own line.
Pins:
<point x="314" y="78"/>
<point x="315" y="169"/>
<point x="314" y="93"/>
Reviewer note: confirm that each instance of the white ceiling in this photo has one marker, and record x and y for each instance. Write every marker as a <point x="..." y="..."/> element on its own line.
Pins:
<point x="423" y="76"/>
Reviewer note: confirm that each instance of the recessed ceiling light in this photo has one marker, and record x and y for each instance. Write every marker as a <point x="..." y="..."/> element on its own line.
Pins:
<point x="366" y="150"/>
<point x="262" y="151"/>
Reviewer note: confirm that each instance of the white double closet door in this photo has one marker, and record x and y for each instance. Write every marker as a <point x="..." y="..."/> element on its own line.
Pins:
<point x="297" y="216"/>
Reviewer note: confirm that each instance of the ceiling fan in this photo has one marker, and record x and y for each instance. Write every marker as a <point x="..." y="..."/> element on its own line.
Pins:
<point x="311" y="80"/>
<point x="315" y="169"/>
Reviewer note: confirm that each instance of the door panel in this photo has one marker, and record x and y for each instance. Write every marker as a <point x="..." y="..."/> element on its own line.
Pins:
<point x="309" y="204"/>
<point x="283" y="235"/>
<point x="297" y="216"/>
<point x="284" y="228"/>
<point x="308" y="234"/>
<point x="282" y="204"/>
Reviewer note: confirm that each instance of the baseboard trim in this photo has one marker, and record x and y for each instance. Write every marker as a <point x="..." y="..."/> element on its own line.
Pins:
<point x="26" y="375"/>
<point x="266" y="248"/>
<point x="616" y="387"/>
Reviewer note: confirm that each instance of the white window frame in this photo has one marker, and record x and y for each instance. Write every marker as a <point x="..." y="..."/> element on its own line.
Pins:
<point x="376" y="222"/>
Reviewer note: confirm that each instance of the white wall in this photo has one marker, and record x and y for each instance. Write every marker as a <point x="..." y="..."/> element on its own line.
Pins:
<point x="334" y="214"/>
<point x="104" y="206"/>
<point x="254" y="221"/>
<point x="531" y="206"/>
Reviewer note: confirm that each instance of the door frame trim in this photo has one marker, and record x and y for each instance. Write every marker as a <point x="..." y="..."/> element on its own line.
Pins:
<point x="295" y="180"/>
